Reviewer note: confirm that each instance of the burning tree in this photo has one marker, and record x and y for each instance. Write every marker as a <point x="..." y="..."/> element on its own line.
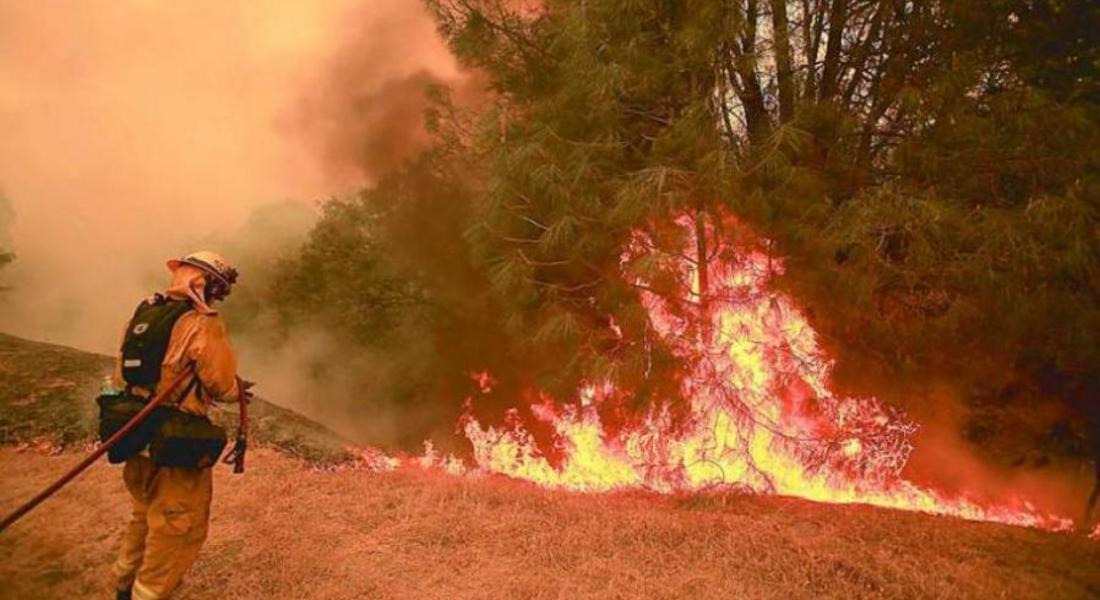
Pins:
<point x="759" y="408"/>
<point x="760" y="412"/>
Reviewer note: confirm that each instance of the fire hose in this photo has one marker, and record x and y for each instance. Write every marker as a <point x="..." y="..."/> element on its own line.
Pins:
<point x="236" y="456"/>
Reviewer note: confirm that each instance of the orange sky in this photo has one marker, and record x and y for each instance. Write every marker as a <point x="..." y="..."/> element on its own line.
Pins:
<point x="132" y="130"/>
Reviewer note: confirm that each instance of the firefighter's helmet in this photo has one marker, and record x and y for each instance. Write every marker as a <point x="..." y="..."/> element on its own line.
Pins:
<point x="222" y="275"/>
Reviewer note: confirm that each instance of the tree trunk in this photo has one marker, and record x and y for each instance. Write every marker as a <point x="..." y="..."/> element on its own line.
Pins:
<point x="838" y="19"/>
<point x="742" y="68"/>
<point x="782" y="41"/>
<point x="702" y="264"/>
<point x="862" y="54"/>
<point x="813" y="21"/>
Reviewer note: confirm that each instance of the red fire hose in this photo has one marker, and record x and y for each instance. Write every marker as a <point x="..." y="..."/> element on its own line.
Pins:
<point x="99" y="451"/>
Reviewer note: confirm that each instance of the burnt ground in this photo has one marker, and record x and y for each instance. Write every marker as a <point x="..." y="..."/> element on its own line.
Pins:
<point x="296" y="527"/>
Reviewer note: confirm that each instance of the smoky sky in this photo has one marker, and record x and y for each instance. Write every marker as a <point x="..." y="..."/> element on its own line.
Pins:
<point x="132" y="130"/>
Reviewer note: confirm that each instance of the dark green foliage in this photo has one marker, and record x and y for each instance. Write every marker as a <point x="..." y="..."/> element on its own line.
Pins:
<point x="976" y="234"/>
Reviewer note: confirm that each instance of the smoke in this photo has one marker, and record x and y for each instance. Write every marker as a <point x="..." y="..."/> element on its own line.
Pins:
<point x="356" y="392"/>
<point x="7" y="219"/>
<point x="365" y="112"/>
<point x="135" y="131"/>
<point x="970" y="441"/>
<point x="1008" y="465"/>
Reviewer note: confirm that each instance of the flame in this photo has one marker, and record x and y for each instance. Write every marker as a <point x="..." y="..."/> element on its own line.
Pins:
<point x="762" y="415"/>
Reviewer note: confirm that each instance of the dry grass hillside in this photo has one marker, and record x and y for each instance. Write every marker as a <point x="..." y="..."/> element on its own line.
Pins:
<point x="288" y="529"/>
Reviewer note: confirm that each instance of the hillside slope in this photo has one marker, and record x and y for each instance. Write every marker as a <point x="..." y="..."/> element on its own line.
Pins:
<point x="47" y="397"/>
<point x="286" y="529"/>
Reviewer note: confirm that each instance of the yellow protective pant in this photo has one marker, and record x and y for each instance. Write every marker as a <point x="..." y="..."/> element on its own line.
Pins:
<point x="169" y="524"/>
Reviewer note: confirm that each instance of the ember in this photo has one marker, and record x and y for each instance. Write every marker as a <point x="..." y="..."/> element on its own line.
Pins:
<point x="762" y="416"/>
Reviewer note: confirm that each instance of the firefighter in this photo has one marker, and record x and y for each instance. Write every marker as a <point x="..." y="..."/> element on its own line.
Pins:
<point x="171" y="505"/>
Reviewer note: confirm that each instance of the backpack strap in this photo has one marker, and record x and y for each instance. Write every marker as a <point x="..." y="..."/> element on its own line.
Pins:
<point x="187" y="390"/>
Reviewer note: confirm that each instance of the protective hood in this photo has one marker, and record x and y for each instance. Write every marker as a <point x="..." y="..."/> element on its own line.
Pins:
<point x="189" y="282"/>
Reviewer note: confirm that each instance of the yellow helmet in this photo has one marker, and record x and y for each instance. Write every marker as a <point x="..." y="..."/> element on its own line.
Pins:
<point x="223" y="276"/>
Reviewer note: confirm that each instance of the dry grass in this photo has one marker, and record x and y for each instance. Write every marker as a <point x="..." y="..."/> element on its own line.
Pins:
<point x="286" y="531"/>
